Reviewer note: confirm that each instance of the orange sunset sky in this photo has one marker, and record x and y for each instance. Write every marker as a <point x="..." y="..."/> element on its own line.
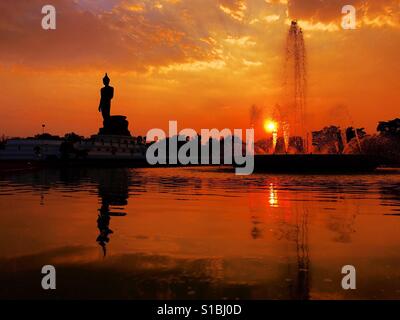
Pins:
<point x="201" y="62"/>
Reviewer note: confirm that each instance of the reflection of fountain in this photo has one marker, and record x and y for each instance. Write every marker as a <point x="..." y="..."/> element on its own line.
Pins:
<point x="293" y="227"/>
<point x="256" y="220"/>
<point x="113" y="191"/>
<point x="303" y="259"/>
<point x="256" y="232"/>
<point x="297" y="232"/>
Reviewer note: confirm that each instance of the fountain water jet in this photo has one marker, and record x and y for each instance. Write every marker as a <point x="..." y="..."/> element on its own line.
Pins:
<point x="290" y="118"/>
<point x="286" y="135"/>
<point x="295" y="84"/>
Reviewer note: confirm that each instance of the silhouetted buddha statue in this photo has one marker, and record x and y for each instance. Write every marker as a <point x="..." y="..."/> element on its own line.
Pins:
<point x="112" y="125"/>
<point x="107" y="93"/>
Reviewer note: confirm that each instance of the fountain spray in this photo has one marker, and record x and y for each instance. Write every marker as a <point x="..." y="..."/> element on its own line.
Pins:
<point x="296" y="82"/>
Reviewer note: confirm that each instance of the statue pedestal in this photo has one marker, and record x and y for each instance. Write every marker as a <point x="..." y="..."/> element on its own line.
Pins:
<point x="115" y="125"/>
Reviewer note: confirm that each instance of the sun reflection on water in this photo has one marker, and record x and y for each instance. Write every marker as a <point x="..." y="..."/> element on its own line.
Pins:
<point x="273" y="196"/>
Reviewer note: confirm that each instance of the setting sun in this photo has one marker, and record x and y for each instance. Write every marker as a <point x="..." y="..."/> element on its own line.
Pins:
<point x="270" y="126"/>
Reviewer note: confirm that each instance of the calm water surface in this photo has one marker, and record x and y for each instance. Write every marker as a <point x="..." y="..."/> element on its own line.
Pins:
<point x="192" y="233"/>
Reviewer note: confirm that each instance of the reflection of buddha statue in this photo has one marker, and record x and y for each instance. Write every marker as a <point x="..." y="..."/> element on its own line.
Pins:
<point x="106" y="93"/>
<point x="103" y="223"/>
<point x="113" y="192"/>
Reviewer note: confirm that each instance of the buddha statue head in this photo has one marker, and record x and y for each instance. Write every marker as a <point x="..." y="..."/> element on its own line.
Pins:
<point x="106" y="80"/>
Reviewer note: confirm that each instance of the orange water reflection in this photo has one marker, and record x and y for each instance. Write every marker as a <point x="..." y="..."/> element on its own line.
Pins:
<point x="199" y="233"/>
<point x="273" y="196"/>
